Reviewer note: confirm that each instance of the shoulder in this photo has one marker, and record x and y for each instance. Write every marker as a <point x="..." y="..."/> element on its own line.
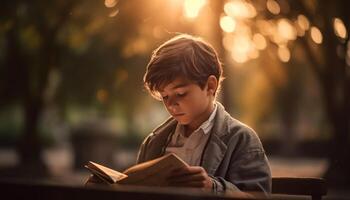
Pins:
<point x="235" y="133"/>
<point x="153" y="144"/>
<point x="226" y="125"/>
<point x="160" y="131"/>
<point x="243" y="132"/>
<point x="245" y="138"/>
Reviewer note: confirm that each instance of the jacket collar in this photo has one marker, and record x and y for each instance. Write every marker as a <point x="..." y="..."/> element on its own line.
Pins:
<point x="220" y="123"/>
<point x="215" y="148"/>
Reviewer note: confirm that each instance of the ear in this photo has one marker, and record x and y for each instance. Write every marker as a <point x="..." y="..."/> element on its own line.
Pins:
<point x="212" y="85"/>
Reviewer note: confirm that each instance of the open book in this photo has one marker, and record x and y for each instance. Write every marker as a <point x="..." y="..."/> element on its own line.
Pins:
<point x="151" y="173"/>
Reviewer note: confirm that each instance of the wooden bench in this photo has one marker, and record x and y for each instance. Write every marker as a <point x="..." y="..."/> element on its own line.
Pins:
<point x="314" y="187"/>
<point x="51" y="191"/>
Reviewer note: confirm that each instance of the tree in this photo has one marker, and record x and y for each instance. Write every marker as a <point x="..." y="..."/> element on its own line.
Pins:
<point x="31" y="52"/>
<point x="321" y="29"/>
<point x="59" y="38"/>
<point x="331" y="66"/>
<point x="80" y="53"/>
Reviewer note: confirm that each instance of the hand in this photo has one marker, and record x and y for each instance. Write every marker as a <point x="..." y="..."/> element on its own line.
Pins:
<point x="193" y="176"/>
<point x="93" y="180"/>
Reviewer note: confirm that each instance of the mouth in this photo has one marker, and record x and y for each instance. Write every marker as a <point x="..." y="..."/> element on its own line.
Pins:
<point x="178" y="115"/>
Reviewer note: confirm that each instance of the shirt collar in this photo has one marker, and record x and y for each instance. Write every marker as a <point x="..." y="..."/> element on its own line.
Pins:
<point x="207" y="125"/>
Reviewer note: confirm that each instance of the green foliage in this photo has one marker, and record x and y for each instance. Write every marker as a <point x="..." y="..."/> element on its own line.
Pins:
<point x="11" y="123"/>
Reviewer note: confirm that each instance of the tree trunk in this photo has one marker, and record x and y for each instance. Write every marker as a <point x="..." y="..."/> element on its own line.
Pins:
<point x="339" y="164"/>
<point x="336" y="95"/>
<point x="28" y="145"/>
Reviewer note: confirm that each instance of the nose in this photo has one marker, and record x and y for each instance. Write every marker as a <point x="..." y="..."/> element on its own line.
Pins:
<point x="172" y="104"/>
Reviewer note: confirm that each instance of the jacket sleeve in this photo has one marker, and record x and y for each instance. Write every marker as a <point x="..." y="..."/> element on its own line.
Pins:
<point x="250" y="173"/>
<point x="248" y="168"/>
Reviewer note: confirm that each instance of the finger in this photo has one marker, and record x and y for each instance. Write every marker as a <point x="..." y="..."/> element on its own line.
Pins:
<point x="185" y="171"/>
<point x="195" y="169"/>
<point x="181" y="170"/>
<point x="187" y="178"/>
<point x="181" y="175"/>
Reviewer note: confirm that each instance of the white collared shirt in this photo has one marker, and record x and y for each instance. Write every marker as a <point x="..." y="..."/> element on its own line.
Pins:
<point x="190" y="148"/>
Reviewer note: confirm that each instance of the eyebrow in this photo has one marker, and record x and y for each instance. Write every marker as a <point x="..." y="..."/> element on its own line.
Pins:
<point x="180" y="85"/>
<point x="177" y="86"/>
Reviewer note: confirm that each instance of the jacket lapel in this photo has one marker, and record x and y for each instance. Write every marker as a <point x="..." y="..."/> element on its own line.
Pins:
<point x="213" y="154"/>
<point x="215" y="149"/>
<point x="161" y="135"/>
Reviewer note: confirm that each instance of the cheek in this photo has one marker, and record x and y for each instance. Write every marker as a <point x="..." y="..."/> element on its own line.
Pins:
<point x="194" y="104"/>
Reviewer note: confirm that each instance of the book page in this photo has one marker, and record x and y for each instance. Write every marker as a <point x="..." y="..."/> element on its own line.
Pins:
<point x="106" y="172"/>
<point x="99" y="175"/>
<point x="154" y="172"/>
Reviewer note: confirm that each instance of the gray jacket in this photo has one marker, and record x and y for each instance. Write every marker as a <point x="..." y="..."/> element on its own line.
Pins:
<point x="233" y="156"/>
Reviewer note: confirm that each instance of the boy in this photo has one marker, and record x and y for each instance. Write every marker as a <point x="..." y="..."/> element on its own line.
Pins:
<point x="224" y="154"/>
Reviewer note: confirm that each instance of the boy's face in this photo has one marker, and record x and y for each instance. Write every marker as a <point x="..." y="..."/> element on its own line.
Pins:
<point x="187" y="102"/>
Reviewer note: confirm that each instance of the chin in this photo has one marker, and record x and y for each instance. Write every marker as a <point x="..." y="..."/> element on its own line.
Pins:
<point x="182" y="121"/>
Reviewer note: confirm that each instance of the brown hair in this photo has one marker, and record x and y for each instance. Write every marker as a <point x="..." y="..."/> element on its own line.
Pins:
<point x="182" y="56"/>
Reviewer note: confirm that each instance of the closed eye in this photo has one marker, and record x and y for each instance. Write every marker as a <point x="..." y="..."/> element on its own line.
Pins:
<point x="165" y="97"/>
<point x="181" y="94"/>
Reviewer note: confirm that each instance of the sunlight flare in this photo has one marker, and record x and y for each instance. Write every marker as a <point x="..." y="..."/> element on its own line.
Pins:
<point x="339" y="28"/>
<point x="227" y="24"/>
<point x="192" y="7"/>
<point x="316" y="35"/>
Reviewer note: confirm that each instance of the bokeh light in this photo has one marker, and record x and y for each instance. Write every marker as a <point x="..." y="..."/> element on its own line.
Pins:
<point x="339" y="28"/>
<point x="303" y="22"/>
<point x="273" y="7"/>
<point x="259" y="41"/>
<point x="286" y="30"/>
<point x="192" y="7"/>
<point x="316" y="35"/>
<point x="110" y="3"/>
<point x="227" y="24"/>
<point x="240" y="9"/>
<point x="283" y="53"/>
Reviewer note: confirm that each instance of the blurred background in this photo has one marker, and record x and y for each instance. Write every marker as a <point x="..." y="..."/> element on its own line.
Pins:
<point x="71" y="81"/>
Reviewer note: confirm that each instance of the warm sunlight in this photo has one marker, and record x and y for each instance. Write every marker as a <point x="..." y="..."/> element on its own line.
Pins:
<point x="265" y="27"/>
<point x="339" y="28"/>
<point x="192" y="7"/>
<point x="110" y="3"/>
<point x="240" y="9"/>
<point x="283" y="53"/>
<point x="253" y="53"/>
<point x="273" y="7"/>
<point x="316" y="35"/>
<point x="227" y="24"/>
<point x="227" y="41"/>
<point x="303" y="22"/>
<point x="114" y="13"/>
<point x="259" y="41"/>
<point x="286" y="30"/>
<point x="301" y="25"/>
<point x="242" y="46"/>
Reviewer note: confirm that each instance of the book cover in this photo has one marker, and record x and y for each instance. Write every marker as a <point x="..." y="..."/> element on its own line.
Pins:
<point x="151" y="173"/>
